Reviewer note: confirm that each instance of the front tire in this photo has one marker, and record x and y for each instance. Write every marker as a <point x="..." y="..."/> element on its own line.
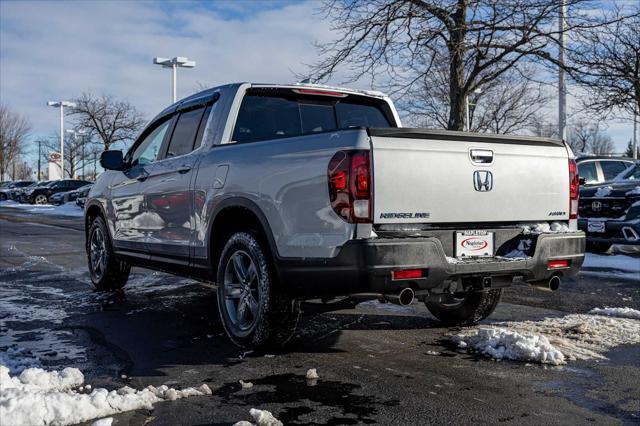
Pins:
<point x="470" y="309"/>
<point x="254" y="311"/>
<point x="106" y="271"/>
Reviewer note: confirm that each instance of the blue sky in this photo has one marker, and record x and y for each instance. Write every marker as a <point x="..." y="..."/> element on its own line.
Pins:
<point x="57" y="50"/>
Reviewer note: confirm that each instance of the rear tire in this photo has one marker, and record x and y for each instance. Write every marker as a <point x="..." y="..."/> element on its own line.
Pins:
<point x="255" y="313"/>
<point x="106" y="271"/>
<point x="475" y="307"/>
<point x="40" y="199"/>
<point x="598" y="247"/>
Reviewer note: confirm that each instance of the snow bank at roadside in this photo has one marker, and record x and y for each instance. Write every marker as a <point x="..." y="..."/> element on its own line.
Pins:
<point x="554" y="340"/>
<point x="617" y="312"/>
<point x="261" y="417"/>
<point x="68" y="209"/>
<point x="39" y="397"/>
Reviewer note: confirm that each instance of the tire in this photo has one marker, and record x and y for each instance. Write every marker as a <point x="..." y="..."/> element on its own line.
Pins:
<point x="473" y="308"/>
<point x="40" y="199"/>
<point x="3" y="197"/>
<point x="245" y="278"/>
<point x="598" y="247"/>
<point x="106" y="271"/>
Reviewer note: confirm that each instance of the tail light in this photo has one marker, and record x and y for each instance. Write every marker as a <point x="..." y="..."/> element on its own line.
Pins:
<point x="349" y="174"/>
<point x="557" y="264"/>
<point x="574" y="189"/>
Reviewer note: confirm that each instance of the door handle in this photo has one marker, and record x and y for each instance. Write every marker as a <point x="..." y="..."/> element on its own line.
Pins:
<point x="183" y="169"/>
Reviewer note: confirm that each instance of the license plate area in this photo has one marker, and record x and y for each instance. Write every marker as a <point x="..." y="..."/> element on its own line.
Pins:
<point x="596" y="226"/>
<point x="474" y="244"/>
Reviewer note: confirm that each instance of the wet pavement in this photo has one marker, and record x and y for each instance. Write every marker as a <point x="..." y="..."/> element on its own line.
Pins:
<point x="377" y="363"/>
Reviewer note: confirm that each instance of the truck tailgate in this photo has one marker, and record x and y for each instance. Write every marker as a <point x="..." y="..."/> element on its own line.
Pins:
<point x="424" y="176"/>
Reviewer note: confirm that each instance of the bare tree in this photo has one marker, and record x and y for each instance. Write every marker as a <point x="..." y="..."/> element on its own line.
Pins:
<point x="107" y="118"/>
<point x="508" y="104"/>
<point x="606" y="62"/>
<point x="545" y="129"/>
<point x="74" y="152"/>
<point x="20" y="170"/>
<point x="14" y="130"/>
<point x="586" y="137"/>
<point x="478" y="40"/>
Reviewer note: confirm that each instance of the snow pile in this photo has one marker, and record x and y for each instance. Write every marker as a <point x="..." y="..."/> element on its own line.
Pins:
<point x="312" y="374"/>
<point x="500" y="343"/>
<point x="261" y="418"/>
<point x="68" y="209"/>
<point x="603" y="191"/>
<point x="39" y="397"/>
<point x="545" y="227"/>
<point x="617" y="312"/>
<point x="553" y="340"/>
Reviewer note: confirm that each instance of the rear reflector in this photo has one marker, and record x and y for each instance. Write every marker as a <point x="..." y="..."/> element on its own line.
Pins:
<point x="406" y="274"/>
<point x="557" y="264"/>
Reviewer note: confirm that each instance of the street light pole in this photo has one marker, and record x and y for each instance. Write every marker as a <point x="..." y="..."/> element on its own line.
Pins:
<point x="562" y="101"/>
<point x="178" y="61"/>
<point x="635" y="132"/>
<point x="39" y="157"/>
<point x="466" y="108"/>
<point x="61" y="105"/>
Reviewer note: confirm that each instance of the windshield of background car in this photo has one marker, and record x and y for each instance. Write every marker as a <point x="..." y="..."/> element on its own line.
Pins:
<point x="279" y="114"/>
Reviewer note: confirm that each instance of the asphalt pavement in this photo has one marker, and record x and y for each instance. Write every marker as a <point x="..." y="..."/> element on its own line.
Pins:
<point x="377" y="363"/>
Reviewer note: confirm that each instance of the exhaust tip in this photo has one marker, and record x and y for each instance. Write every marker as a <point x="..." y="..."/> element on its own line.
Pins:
<point x="554" y="283"/>
<point x="406" y="297"/>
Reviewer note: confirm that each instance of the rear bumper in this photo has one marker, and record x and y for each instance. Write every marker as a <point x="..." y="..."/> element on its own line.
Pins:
<point x="364" y="266"/>
<point x="615" y="231"/>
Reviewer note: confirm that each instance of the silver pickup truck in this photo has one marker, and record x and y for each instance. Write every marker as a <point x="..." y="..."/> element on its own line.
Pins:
<point x="282" y="194"/>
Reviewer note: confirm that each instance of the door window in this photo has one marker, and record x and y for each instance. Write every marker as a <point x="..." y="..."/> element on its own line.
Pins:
<point x="611" y="169"/>
<point x="588" y="172"/>
<point x="184" y="134"/>
<point x="147" y="151"/>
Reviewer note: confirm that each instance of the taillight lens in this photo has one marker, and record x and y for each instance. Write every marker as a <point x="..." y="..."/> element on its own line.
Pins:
<point x="574" y="189"/>
<point x="349" y="175"/>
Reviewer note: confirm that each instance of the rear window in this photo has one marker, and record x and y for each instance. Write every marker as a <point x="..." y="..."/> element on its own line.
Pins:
<point x="282" y="115"/>
<point x="588" y="172"/>
<point x="611" y="169"/>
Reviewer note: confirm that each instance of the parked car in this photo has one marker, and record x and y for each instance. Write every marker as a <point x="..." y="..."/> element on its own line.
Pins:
<point x="610" y="213"/>
<point x="280" y="194"/>
<point x="5" y="192"/>
<point x="41" y="194"/>
<point x="20" y="195"/>
<point x="594" y="170"/>
<point x="82" y="195"/>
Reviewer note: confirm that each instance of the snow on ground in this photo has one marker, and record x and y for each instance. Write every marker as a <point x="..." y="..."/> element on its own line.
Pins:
<point x="617" y="312"/>
<point x="261" y="417"/>
<point x="621" y="262"/>
<point x="553" y="340"/>
<point x="68" y="209"/>
<point x="39" y="397"/>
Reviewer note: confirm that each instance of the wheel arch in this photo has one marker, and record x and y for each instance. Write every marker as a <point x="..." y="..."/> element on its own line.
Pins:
<point x="233" y="215"/>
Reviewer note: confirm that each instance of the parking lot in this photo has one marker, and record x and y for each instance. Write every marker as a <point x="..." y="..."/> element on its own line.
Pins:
<point x="378" y="363"/>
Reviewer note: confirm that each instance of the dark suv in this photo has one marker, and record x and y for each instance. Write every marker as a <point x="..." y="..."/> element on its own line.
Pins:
<point x="610" y="212"/>
<point x="41" y="194"/>
<point x="594" y="170"/>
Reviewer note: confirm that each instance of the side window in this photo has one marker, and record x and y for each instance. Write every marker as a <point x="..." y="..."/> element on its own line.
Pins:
<point x="203" y="125"/>
<point x="611" y="169"/>
<point x="148" y="150"/>
<point x="184" y="134"/>
<point x="588" y="171"/>
<point x="266" y="117"/>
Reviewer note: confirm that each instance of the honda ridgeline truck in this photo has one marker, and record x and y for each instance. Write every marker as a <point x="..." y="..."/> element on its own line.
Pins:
<point x="280" y="194"/>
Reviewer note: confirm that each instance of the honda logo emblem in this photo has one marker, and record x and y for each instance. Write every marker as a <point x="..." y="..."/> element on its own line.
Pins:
<point x="483" y="180"/>
<point x="596" y="206"/>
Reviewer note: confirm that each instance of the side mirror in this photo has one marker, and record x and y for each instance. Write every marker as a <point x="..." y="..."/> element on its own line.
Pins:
<point x="112" y="160"/>
<point x="583" y="181"/>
